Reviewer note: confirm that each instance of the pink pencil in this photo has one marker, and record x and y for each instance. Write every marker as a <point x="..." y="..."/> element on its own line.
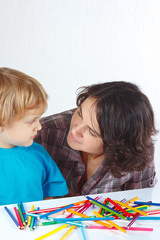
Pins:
<point x="152" y="212"/>
<point x="50" y="209"/>
<point x="131" y="228"/>
<point x="18" y="218"/>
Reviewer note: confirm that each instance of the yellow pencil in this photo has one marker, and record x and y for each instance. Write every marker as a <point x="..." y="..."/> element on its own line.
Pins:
<point x="68" y="233"/>
<point x="52" y="232"/>
<point x="132" y="208"/>
<point x="110" y="222"/>
<point x="85" y="216"/>
<point x="29" y="218"/>
<point x="131" y="200"/>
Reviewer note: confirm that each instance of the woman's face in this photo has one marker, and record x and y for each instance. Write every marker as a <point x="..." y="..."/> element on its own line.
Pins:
<point x="84" y="134"/>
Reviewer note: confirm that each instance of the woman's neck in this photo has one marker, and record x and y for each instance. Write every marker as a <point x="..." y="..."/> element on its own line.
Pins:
<point x="92" y="163"/>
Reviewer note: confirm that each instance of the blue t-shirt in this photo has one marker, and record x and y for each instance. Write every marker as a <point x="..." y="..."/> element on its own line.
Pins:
<point x="29" y="174"/>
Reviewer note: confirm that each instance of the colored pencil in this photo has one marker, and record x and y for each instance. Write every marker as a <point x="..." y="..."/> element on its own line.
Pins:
<point x="33" y="215"/>
<point x="55" y="211"/>
<point x="32" y="223"/>
<point x="133" y="220"/>
<point x="82" y="219"/>
<point x="106" y="213"/>
<point x="78" y="224"/>
<point x="83" y="233"/>
<point x="68" y="222"/>
<point x="132" y="208"/>
<point x="23" y="211"/>
<point x="18" y="218"/>
<point x="120" y="208"/>
<point x="111" y="223"/>
<point x="87" y="218"/>
<point x="12" y="217"/>
<point x="35" y="220"/>
<point x="21" y="214"/>
<point x="52" y="232"/>
<point x="46" y="210"/>
<point x="101" y="205"/>
<point x="101" y="210"/>
<point x="48" y="223"/>
<point x="147" y="203"/>
<point x="70" y="230"/>
<point x="29" y="218"/>
<point x="153" y="211"/>
<point x="148" y="218"/>
<point x="130" y="229"/>
<point x="131" y="200"/>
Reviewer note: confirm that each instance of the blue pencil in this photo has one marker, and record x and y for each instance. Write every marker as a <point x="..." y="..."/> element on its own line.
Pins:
<point x="33" y="215"/>
<point x="56" y="211"/>
<point x="147" y="203"/>
<point x="36" y="220"/>
<point x="83" y="233"/>
<point x="23" y="211"/>
<point x="12" y="217"/>
<point x="77" y="224"/>
<point x="82" y="219"/>
<point x="148" y="218"/>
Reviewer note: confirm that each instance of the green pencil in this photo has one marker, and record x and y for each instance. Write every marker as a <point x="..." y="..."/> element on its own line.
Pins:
<point x="21" y="214"/>
<point x="101" y="205"/>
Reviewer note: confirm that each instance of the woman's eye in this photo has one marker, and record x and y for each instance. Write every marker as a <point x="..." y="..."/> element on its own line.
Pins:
<point x="79" y="113"/>
<point x="92" y="133"/>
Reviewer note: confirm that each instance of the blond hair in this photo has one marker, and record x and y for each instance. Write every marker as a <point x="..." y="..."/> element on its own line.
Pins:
<point x="19" y="93"/>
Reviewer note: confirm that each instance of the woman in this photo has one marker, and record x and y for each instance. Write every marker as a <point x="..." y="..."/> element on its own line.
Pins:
<point x="106" y="143"/>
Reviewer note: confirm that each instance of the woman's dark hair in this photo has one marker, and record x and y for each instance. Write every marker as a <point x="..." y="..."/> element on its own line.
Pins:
<point x="126" y="122"/>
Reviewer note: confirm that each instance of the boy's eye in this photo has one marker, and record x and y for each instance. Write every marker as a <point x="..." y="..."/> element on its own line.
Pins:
<point x="30" y="122"/>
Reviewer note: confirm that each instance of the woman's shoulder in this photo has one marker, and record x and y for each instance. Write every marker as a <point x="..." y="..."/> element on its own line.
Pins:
<point x="59" y="120"/>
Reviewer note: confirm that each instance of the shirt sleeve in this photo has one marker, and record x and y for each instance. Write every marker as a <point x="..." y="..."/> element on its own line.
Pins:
<point x="54" y="183"/>
<point x="143" y="179"/>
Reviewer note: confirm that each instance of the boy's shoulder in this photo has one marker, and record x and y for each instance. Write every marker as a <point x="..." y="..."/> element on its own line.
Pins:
<point x="39" y="148"/>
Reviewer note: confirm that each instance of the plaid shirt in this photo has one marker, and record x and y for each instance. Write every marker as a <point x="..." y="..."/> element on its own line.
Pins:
<point x="53" y="137"/>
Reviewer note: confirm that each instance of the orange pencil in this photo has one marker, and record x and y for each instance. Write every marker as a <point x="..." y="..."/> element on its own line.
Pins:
<point x="85" y="216"/>
<point x="112" y="223"/>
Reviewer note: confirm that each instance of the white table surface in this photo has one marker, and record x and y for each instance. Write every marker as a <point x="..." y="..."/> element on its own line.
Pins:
<point x="9" y="231"/>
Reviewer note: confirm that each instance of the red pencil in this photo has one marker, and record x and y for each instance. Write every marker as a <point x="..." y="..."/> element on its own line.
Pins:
<point x="120" y="208"/>
<point x="18" y="218"/>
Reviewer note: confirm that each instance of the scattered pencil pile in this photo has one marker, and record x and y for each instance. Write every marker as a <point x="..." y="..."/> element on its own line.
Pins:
<point x="109" y="213"/>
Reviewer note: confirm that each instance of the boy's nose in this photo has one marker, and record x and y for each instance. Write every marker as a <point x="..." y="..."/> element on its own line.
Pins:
<point x="38" y="126"/>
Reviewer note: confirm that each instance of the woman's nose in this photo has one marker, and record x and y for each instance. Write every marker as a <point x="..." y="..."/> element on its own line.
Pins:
<point x="78" y="131"/>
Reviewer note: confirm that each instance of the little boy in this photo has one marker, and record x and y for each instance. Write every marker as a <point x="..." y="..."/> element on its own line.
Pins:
<point x="27" y="172"/>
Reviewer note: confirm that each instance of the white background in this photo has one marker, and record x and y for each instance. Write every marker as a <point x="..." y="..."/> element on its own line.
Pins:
<point x="66" y="44"/>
